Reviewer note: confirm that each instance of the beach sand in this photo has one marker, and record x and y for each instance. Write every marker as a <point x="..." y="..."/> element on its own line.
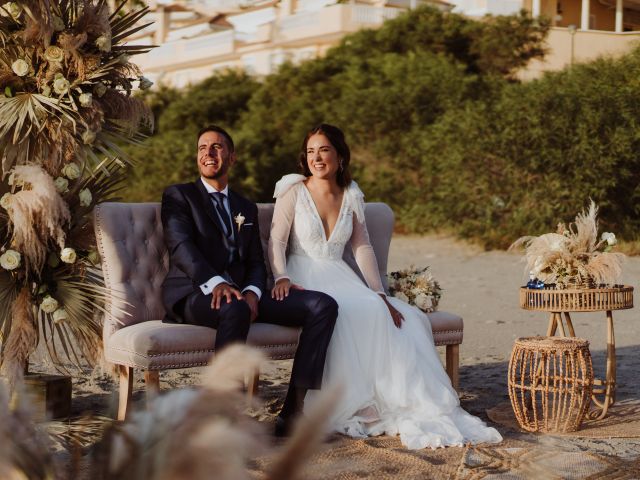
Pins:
<point x="482" y="287"/>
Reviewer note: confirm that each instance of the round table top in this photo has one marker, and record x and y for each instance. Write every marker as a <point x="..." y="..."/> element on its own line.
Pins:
<point x="549" y="299"/>
<point x="552" y="343"/>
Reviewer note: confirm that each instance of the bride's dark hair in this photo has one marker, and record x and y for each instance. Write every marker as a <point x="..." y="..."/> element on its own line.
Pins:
<point x="336" y="137"/>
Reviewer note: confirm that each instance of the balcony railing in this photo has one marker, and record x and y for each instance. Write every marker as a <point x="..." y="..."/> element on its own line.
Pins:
<point x="366" y="15"/>
<point x="191" y="50"/>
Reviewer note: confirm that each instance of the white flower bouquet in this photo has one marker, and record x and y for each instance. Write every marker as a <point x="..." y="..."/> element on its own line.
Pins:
<point x="574" y="256"/>
<point x="417" y="287"/>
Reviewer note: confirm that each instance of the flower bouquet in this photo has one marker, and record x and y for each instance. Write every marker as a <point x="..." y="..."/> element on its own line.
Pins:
<point x="417" y="287"/>
<point x="65" y="110"/>
<point x="574" y="256"/>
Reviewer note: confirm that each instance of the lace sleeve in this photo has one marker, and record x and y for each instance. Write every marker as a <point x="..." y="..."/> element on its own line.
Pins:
<point x="365" y="256"/>
<point x="283" y="215"/>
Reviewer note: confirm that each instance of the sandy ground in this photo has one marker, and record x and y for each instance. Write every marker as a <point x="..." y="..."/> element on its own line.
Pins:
<point x="482" y="287"/>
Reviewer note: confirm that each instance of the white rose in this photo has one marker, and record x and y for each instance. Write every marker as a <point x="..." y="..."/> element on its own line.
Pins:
<point x="10" y="260"/>
<point x="103" y="42"/>
<point x="100" y="89"/>
<point x="57" y="23"/>
<point x="20" y="67"/>
<point x="68" y="255"/>
<point x="5" y="201"/>
<point x="124" y="59"/>
<point x="85" y="197"/>
<point x="610" y="238"/>
<point x="11" y="9"/>
<point x="85" y="99"/>
<point x="61" y="184"/>
<point x="60" y="315"/>
<point x="402" y="297"/>
<point x="145" y="83"/>
<point x="54" y="54"/>
<point x="88" y="137"/>
<point x="49" y="304"/>
<point x="71" y="171"/>
<point x="423" y="302"/>
<point x="60" y="84"/>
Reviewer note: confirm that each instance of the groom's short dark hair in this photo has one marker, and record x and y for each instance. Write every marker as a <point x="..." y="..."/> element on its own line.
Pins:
<point x="221" y="131"/>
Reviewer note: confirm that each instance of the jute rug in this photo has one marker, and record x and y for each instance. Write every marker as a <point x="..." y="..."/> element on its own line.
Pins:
<point x="622" y="421"/>
<point x="543" y="463"/>
<point x="344" y="458"/>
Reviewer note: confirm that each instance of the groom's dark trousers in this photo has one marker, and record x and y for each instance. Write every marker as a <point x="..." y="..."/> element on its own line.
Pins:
<point x="199" y="250"/>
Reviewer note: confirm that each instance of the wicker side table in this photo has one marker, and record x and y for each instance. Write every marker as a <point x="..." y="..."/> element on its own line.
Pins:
<point x="562" y="302"/>
<point x="550" y="383"/>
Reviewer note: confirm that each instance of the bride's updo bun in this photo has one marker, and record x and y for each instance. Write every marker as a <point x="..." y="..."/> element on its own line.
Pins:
<point x="336" y="137"/>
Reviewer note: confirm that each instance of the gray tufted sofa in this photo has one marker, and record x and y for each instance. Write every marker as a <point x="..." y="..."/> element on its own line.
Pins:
<point x="135" y="261"/>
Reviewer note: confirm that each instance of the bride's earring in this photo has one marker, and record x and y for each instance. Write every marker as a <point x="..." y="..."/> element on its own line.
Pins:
<point x="340" y="165"/>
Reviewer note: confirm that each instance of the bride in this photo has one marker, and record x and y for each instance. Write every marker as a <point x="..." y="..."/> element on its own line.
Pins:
<point x="381" y="352"/>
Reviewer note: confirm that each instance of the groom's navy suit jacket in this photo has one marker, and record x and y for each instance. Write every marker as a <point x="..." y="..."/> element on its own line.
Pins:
<point x="198" y="248"/>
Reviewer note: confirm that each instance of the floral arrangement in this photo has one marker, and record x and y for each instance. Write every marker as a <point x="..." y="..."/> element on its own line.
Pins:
<point x="65" y="109"/>
<point x="574" y="256"/>
<point x="416" y="286"/>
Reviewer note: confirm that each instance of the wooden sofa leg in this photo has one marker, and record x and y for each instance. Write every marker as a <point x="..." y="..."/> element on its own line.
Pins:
<point x="152" y="383"/>
<point x="126" y="388"/>
<point x="453" y="362"/>
<point x="252" y="386"/>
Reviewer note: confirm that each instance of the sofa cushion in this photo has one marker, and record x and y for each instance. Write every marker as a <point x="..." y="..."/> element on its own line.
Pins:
<point x="154" y="345"/>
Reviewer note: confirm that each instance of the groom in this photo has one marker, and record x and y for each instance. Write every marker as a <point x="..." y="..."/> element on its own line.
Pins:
<point x="217" y="275"/>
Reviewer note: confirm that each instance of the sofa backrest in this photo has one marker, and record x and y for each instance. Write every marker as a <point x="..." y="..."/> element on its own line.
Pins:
<point x="135" y="259"/>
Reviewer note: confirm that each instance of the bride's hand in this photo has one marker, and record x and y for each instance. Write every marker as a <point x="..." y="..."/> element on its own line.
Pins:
<point x="396" y="316"/>
<point x="282" y="287"/>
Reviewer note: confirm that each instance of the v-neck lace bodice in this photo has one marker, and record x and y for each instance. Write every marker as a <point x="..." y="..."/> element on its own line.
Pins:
<point x="297" y="224"/>
<point x="314" y="209"/>
<point x="307" y="235"/>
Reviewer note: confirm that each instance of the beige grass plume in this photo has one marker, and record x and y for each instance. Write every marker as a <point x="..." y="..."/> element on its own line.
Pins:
<point x="38" y="214"/>
<point x="193" y="433"/>
<point x="204" y="434"/>
<point x="573" y="256"/>
<point x="22" y="339"/>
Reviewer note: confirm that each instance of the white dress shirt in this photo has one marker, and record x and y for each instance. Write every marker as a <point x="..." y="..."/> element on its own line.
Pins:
<point x="208" y="286"/>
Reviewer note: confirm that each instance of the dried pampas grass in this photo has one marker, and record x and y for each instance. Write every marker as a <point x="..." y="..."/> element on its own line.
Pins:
<point x="22" y="340"/>
<point x="190" y="433"/>
<point x="573" y="256"/>
<point x="307" y="437"/>
<point x="204" y="434"/>
<point x="38" y="214"/>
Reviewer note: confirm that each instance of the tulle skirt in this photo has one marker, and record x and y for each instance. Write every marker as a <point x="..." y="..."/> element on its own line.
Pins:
<point x="392" y="379"/>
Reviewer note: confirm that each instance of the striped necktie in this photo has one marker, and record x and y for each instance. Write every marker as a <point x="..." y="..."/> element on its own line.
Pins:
<point x="218" y="200"/>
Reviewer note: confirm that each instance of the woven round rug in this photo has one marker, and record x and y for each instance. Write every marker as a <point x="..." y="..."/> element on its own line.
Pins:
<point x="384" y="457"/>
<point x="622" y="421"/>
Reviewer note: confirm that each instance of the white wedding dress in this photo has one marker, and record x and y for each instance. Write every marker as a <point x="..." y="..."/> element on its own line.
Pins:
<point x="392" y="378"/>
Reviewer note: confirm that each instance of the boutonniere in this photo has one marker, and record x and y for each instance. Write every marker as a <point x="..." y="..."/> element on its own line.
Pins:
<point x="239" y="219"/>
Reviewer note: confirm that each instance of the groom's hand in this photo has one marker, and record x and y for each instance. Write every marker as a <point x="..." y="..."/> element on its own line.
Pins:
<point x="252" y="300"/>
<point x="226" y="291"/>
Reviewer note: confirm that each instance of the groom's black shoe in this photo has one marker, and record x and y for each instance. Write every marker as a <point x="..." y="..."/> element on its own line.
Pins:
<point x="284" y="426"/>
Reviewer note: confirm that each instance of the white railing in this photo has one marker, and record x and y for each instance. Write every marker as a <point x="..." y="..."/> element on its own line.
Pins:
<point x="185" y="51"/>
<point x="366" y="15"/>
